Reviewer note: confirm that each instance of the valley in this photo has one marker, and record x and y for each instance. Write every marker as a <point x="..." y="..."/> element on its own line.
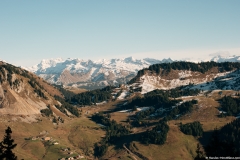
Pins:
<point x="142" y="119"/>
<point x="119" y="80"/>
<point x="80" y="134"/>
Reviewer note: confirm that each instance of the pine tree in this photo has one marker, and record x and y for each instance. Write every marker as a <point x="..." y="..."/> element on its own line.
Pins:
<point x="1" y="151"/>
<point x="200" y="154"/>
<point x="7" y="145"/>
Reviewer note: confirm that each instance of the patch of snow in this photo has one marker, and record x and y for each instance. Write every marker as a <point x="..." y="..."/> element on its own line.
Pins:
<point x="101" y="103"/>
<point x="185" y="97"/>
<point x="124" y="111"/>
<point x="123" y="95"/>
<point x="209" y="82"/>
<point x="178" y="115"/>
<point x="100" y="125"/>
<point x="225" y="79"/>
<point x="52" y="69"/>
<point x="225" y="57"/>
<point x="142" y="108"/>
<point x="184" y="74"/>
<point x="223" y="112"/>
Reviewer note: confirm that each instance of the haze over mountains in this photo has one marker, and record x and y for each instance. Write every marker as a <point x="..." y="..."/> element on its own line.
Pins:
<point x="91" y="74"/>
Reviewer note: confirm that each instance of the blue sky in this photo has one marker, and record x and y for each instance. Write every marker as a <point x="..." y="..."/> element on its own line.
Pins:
<point x="32" y="30"/>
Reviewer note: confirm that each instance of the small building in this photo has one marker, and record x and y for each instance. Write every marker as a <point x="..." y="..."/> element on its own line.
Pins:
<point x="70" y="152"/>
<point x="65" y="149"/>
<point x="43" y="132"/>
<point x="34" y="138"/>
<point x="47" y="138"/>
<point x="78" y="157"/>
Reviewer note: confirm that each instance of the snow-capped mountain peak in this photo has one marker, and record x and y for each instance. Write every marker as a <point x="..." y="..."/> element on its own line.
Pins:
<point x="90" y="73"/>
<point x="225" y="57"/>
<point x="102" y="72"/>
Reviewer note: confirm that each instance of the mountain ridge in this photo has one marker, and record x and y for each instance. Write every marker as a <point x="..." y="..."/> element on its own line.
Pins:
<point x="91" y="74"/>
<point x="22" y="93"/>
<point x="204" y="84"/>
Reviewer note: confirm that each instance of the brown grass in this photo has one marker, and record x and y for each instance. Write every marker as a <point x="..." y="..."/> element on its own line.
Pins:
<point x="48" y="87"/>
<point x="80" y="134"/>
<point x="119" y="117"/>
<point x="73" y="133"/>
<point x="75" y="90"/>
<point x="177" y="146"/>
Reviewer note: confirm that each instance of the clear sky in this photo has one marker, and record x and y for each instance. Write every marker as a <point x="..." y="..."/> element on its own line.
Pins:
<point x="32" y="30"/>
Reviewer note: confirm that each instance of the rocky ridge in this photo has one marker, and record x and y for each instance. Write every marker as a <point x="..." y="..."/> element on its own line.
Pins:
<point x="23" y="93"/>
<point x="214" y="78"/>
<point x="91" y="74"/>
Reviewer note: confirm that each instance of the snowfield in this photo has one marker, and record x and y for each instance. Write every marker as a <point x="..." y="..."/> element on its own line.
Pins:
<point x="123" y="95"/>
<point x="97" y="74"/>
<point x="91" y="74"/>
<point x="226" y="81"/>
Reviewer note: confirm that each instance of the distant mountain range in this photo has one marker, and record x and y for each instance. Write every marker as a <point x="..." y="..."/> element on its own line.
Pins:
<point x="91" y="74"/>
<point x="222" y="58"/>
<point x="97" y="74"/>
<point x="26" y="98"/>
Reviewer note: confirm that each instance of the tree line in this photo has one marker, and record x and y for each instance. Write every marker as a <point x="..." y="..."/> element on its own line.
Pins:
<point x="152" y="99"/>
<point x="225" y="141"/>
<point x="165" y="68"/>
<point x="174" y="92"/>
<point x="157" y="135"/>
<point x="47" y="111"/>
<point x="181" y="109"/>
<point x="67" y="94"/>
<point x="230" y="105"/>
<point x="194" y="128"/>
<point x="72" y="109"/>
<point x="9" y="70"/>
<point x="93" y="97"/>
<point x="114" y="132"/>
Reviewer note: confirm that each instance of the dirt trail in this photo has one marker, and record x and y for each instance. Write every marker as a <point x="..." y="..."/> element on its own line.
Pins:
<point x="132" y="154"/>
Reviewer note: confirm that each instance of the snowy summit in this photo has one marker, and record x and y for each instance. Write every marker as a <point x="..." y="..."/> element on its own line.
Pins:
<point x="91" y="74"/>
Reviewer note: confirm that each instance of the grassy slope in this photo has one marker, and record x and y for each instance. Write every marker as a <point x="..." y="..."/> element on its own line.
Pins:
<point x="80" y="134"/>
<point x="65" y="134"/>
<point x="177" y="146"/>
<point x="75" y="90"/>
